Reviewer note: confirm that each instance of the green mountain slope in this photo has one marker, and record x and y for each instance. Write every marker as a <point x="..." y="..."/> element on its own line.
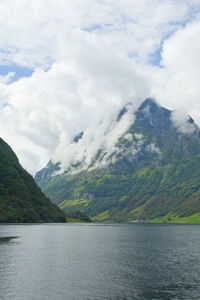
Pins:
<point x="21" y="200"/>
<point x="155" y="173"/>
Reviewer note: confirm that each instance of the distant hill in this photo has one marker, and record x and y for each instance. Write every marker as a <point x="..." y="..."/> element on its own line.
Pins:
<point x="152" y="174"/>
<point x="21" y="200"/>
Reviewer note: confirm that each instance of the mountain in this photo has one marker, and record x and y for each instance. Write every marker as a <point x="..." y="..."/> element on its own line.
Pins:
<point x="21" y="200"/>
<point x="152" y="172"/>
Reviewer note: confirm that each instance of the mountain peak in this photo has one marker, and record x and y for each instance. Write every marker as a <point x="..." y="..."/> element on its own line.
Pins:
<point x="149" y="104"/>
<point x="150" y="114"/>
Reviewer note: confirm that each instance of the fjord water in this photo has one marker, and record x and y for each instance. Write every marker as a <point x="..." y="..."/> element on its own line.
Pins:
<point x="99" y="262"/>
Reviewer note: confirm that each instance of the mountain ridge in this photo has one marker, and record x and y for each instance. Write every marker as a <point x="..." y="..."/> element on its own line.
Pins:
<point x="145" y="177"/>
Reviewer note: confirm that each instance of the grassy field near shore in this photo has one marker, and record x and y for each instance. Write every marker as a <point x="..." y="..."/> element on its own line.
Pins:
<point x="193" y="219"/>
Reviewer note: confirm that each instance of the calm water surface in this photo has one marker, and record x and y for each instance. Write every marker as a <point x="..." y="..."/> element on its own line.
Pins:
<point x="99" y="262"/>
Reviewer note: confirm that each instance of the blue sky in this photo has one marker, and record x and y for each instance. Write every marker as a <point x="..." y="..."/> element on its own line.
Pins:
<point x="19" y="71"/>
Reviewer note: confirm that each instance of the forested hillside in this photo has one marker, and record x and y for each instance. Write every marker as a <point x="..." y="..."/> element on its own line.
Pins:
<point x="21" y="200"/>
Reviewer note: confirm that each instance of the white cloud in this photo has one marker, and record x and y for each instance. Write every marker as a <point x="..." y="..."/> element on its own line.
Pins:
<point x="152" y="148"/>
<point x="32" y="29"/>
<point x="177" y="84"/>
<point x="103" y="137"/>
<point x="50" y="108"/>
<point x="91" y="58"/>
<point x="181" y="121"/>
<point x="128" y="137"/>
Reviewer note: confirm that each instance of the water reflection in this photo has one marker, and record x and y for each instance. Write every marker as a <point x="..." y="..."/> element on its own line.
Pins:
<point x="6" y="239"/>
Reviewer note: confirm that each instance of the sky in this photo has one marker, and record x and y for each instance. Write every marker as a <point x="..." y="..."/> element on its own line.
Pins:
<point x="70" y="66"/>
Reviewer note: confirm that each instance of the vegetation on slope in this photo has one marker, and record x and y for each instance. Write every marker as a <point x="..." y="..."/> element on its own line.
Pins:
<point x="21" y="200"/>
<point x="144" y="194"/>
<point x="77" y="216"/>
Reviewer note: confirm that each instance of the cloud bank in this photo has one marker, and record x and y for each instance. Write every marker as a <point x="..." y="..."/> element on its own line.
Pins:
<point x="89" y="59"/>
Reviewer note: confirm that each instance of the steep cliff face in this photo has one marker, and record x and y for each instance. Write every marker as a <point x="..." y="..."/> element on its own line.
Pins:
<point x="152" y="172"/>
<point x="21" y="200"/>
